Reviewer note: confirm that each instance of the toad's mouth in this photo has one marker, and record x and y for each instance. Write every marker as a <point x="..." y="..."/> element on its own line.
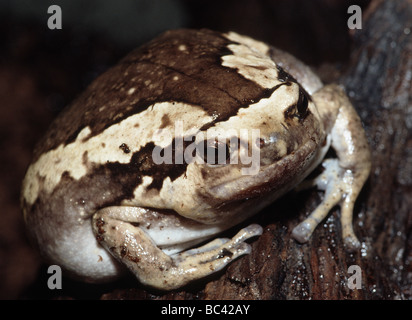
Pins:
<point x="274" y="179"/>
<point x="235" y="200"/>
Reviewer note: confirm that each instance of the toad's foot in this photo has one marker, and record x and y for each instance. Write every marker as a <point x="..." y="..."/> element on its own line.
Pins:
<point x="337" y="184"/>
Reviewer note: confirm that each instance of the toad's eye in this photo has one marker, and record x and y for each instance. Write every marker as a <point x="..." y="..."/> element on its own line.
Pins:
<point x="299" y="110"/>
<point x="214" y="152"/>
<point x="302" y="104"/>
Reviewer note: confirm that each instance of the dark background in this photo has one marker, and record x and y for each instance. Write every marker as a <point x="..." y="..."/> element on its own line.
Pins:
<point x="42" y="70"/>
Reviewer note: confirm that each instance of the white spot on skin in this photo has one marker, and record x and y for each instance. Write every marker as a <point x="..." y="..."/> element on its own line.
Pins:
<point x="131" y="90"/>
<point x="282" y="148"/>
<point x="84" y="133"/>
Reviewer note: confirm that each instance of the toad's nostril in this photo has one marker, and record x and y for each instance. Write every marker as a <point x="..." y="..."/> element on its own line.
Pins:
<point x="260" y="143"/>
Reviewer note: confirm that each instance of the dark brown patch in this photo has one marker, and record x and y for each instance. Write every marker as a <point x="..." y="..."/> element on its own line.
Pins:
<point x="284" y="76"/>
<point x="125" y="148"/>
<point x="85" y="158"/>
<point x="123" y="251"/>
<point x="134" y="259"/>
<point x="261" y="68"/>
<point x="202" y="81"/>
<point x="99" y="224"/>
<point x="165" y="121"/>
<point x="224" y="253"/>
<point x="260" y="143"/>
<point x="122" y="178"/>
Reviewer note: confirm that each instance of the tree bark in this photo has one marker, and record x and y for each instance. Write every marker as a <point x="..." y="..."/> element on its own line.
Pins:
<point x="378" y="81"/>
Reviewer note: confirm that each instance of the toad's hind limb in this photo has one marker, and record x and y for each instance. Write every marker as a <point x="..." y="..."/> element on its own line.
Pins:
<point x="132" y="246"/>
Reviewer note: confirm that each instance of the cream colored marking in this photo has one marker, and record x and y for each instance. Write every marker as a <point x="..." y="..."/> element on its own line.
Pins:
<point x="69" y="158"/>
<point x="131" y="90"/>
<point x="166" y="198"/>
<point x="282" y="148"/>
<point x="251" y="62"/>
<point x="255" y="114"/>
<point x="262" y="47"/>
<point x="139" y="191"/>
<point x="182" y="47"/>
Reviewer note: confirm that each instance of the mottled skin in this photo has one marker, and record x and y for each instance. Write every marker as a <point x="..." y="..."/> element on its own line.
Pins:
<point x="94" y="195"/>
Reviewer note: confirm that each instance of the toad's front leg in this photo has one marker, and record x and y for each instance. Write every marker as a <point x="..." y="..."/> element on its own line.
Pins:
<point x="343" y="178"/>
<point x="117" y="231"/>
